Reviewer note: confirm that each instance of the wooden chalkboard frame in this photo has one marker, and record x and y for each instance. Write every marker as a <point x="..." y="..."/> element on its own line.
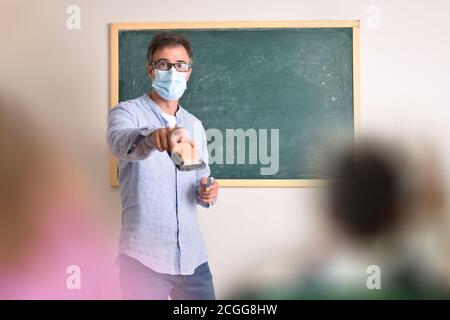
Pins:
<point x="114" y="77"/>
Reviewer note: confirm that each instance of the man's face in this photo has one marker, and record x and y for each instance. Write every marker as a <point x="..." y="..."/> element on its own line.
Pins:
<point x="172" y="55"/>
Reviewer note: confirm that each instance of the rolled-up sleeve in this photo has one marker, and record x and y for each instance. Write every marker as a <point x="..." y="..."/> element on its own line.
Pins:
<point x="125" y="137"/>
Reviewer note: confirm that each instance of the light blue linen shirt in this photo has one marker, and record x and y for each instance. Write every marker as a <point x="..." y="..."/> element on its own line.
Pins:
<point x="159" y="202"/>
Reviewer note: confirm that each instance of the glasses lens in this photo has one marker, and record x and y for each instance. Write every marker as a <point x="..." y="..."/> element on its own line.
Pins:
<point x="162" y="65"/>
<point x="182" y="67"/>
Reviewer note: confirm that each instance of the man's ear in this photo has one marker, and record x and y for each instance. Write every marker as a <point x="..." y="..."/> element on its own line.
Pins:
<point x="150" y="71"/>
<point x="188" y="74"/>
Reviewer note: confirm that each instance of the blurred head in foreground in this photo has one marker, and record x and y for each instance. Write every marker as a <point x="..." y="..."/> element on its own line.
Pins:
<point x="366" y="198"/>
<point x="48" y="245"/>
<point x="378" y="207"/>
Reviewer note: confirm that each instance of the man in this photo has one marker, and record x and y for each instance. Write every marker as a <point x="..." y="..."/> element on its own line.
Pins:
<point x="161" y="250"/>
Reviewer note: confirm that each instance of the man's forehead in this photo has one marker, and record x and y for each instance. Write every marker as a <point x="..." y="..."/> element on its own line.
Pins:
<point x="175" y="52"/>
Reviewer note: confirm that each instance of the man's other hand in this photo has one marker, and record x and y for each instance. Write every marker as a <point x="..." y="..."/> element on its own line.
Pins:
<point x="208" y="195"/>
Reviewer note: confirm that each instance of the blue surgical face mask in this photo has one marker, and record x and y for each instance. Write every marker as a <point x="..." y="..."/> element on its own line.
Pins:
<point x="170" y="84"/>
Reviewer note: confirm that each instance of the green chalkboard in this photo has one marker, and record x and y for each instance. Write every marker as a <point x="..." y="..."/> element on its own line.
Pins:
<point x="287" y="86"/>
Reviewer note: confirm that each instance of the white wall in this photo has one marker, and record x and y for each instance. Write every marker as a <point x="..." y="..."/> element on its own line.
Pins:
<point x="64" y="76"/>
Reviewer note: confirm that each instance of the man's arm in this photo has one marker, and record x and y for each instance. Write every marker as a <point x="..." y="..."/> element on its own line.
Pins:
<point x="126" y="140"/>
<point x="205" y="172"/>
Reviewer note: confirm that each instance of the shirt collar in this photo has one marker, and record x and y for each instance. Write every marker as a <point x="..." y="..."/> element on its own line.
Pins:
<point x="179" y="114"/>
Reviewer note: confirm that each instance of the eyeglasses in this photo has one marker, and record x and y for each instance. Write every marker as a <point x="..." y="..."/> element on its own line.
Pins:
<point x="166" y="65"/>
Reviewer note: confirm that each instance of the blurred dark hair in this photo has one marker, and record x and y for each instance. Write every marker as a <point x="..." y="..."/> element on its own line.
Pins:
<point x="165" y="39"/>
<point x="364" y="193"/>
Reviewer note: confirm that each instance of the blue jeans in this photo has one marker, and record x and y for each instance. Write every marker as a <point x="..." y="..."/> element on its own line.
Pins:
<point x="142" y="283"/>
